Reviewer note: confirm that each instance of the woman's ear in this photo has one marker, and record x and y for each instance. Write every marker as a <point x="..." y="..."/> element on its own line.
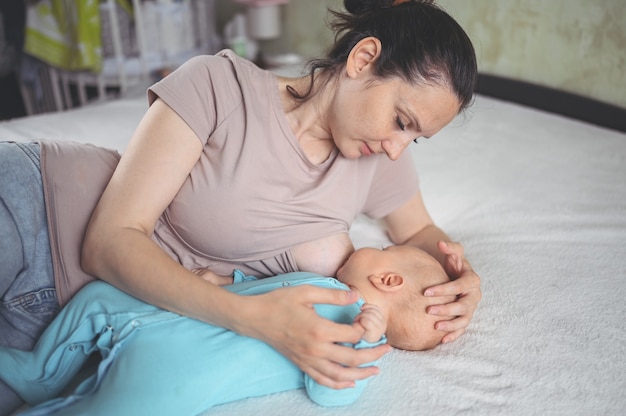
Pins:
<point x="363" y="54"/>
<point x="387" y="282"/>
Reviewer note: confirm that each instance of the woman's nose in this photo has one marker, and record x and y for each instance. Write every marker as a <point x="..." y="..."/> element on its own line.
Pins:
<point x="394" y="147"/>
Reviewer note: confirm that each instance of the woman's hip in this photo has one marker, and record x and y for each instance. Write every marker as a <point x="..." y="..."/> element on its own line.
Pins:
<point x="27" y="289"/>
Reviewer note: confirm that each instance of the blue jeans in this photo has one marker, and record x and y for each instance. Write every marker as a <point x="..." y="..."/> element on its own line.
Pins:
<point x="28" y="299"/>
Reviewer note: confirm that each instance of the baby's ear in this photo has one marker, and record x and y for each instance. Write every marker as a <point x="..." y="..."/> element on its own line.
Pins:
<point x="387" y="282"/>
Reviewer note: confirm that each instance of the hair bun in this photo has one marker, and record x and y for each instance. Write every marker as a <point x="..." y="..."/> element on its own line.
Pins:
<point x="362" y="6"/>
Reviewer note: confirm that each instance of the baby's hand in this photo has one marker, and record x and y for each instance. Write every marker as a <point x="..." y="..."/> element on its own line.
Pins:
<point x="211" y="277"/>
<point x="372" y="320"/>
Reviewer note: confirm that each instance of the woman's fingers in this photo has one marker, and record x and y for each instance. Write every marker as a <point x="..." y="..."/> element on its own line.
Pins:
<point x="455" y="262"/>
<point x="319" y="295"/>
<point x="465" y="305"/>
<point x="452" y="336"/>
<point x="211" y="277"/>
<point x="452" y="309"/>
<point x="333" y="365"/>
<point x="466" y="282"/>
<point x="286" y="319"/>
<point x="344" y="373"/>
<point x="456" y="324"/>
<point x="450" y="247"/>
<point x="465" y="286"/>
<point x="336" y="376"/>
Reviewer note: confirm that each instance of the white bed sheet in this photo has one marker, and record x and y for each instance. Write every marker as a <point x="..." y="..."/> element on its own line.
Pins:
<point x="539" y="202"/>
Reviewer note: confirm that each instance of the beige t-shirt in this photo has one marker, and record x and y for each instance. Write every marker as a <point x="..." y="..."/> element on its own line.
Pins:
<point x="253" y="195"/>
<point x="74" y="176"/>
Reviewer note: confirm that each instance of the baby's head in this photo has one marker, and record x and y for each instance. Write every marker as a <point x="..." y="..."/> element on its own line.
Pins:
<point x="395" y="279"/>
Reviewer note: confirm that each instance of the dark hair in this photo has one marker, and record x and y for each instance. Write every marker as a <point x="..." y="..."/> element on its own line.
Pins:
<point x="420" y="42"/>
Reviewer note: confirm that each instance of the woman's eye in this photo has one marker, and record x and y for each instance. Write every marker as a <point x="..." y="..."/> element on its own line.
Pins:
<point x="400" y="124"/>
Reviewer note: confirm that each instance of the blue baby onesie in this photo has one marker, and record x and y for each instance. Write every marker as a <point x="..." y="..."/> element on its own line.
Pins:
<point x="160" y="363"/>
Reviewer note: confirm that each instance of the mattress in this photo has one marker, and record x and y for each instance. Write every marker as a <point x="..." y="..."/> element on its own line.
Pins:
<point x="539" y="202"/>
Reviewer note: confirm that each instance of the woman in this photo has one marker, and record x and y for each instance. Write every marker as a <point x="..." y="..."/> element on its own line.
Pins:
<point x="232" y="167"/>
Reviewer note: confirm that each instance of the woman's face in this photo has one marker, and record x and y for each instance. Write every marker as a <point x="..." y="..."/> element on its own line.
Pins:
<point x="384" y="116"/>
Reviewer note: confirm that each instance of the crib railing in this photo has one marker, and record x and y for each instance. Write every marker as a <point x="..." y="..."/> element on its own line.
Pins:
<point x="138" y="40"/>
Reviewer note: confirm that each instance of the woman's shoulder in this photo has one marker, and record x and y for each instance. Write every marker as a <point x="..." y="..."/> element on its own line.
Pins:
<point x="223" y="64"/>
<point x="207" y="89"/>
<point x="219" y="80"/>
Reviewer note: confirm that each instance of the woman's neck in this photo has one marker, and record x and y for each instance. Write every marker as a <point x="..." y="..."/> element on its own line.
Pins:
<point x="307" y="119"/>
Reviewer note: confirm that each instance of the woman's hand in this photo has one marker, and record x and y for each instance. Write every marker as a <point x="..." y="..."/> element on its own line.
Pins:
<point x="465" y="285"/>
<point x="373" y="322"/>
<point x="286" y="320"/>
<point x="211" y="277"/>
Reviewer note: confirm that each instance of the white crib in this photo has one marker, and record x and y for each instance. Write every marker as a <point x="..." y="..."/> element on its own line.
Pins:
<point x="153" y="35"/>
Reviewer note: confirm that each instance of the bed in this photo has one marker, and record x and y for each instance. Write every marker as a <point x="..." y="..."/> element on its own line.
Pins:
<point x="539" y="201"/>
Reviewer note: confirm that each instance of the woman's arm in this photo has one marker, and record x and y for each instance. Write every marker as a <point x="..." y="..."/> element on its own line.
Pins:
<point x="118" y="249"/>
<point x="411" y="224"/>
<point x="117" y="246"/>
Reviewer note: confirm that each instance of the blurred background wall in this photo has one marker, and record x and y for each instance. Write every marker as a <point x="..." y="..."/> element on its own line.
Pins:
<point x="575" y="45"/>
